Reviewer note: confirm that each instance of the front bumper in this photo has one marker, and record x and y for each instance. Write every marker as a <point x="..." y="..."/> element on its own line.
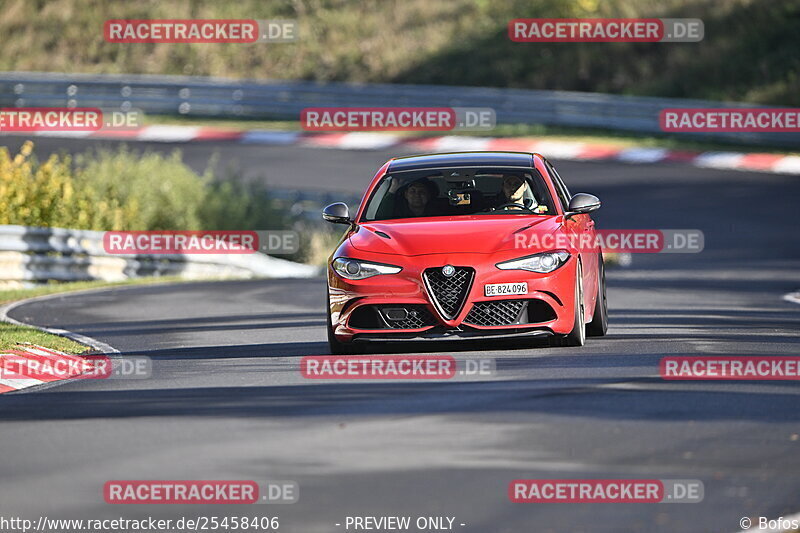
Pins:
<point x="438" y="334"/>
<point x="547" y="309"/>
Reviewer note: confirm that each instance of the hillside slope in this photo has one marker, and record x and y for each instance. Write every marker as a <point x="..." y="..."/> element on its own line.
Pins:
<point x="751" y="51"/>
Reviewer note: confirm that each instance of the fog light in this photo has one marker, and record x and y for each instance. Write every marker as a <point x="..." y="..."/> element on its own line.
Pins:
<point x="395" y="313"/>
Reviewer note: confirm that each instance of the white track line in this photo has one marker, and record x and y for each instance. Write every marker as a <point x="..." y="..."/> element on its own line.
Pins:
<point x="21" y="383"/>
<point x="459" y="143"/>
<point x="793" y="297"/>
<point x="368" y="141"/>
<point x="169" y="134"/>
<point x="788" y="165"/>
<point x="560" y="149"/>
<point x="721" y="160"/>
<point x="642" y="155"/>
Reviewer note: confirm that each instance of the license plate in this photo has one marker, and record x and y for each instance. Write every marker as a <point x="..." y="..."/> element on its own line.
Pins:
<point x="502" y="289"/>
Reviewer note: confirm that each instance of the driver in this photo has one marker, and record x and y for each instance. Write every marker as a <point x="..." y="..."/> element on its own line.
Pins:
<point x="418" y="197"/>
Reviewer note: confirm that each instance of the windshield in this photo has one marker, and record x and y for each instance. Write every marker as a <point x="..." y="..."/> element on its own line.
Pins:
<point x="459" y="191"/>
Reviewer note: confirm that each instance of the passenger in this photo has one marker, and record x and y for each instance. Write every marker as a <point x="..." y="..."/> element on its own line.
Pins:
<point x="517" y="191"/>
<point x="415" y="201"/>
<point x="514" y="189"/>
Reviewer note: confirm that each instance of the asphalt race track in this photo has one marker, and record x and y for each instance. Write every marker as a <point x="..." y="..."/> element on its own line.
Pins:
<point x="226" y="400"/>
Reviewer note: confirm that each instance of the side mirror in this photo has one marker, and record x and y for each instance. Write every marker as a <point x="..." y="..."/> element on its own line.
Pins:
<point x="583" y="203"/>
<point x="337" y="213"/>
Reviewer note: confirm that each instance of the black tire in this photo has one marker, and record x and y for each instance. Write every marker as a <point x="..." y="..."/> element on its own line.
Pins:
<point x="599" y="324"/>
<point x="576" y="337"/>
<point x="334" y="345"/>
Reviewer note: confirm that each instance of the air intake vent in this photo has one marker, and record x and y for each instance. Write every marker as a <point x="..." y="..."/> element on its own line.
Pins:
<point x="509" y="312"/>
<point x="400" y="316"/>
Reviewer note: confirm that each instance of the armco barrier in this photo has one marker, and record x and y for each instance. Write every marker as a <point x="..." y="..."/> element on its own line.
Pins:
<point x="32" y="254"/>
<point x="308" y="204"/>
<point x="213" y="97"/>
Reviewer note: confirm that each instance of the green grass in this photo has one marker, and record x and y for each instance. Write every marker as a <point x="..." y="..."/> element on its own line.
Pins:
<point x="749" y="52"/>
<point x="223" y="123"/>
<point x="12" y="336"/>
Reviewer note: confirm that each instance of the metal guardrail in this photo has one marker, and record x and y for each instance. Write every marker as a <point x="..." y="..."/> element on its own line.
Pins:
<point x="33" y="254"/>
<point x="307" y="204"/>
<point x="195" y="96"/>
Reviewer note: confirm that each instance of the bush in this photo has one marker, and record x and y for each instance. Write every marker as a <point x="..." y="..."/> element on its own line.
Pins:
<point x="49" y="194"/>
<point x="232" y="205"/>
<point x="158" y="192"/>
<point x="122" y="190"/>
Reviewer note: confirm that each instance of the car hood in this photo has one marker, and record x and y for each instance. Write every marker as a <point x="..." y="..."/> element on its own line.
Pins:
<point x="483" y="234"/>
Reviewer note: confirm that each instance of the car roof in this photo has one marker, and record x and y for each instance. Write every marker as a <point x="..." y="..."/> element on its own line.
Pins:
<point x="462" y="159"/>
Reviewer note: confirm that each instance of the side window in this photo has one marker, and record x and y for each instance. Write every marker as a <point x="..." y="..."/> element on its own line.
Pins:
<point x="561" y="189"/>
<point x="378" y="198"/>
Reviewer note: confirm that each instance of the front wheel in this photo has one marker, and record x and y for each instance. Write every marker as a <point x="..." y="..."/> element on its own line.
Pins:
<point x="576" y="337"/>
<point x="599" y="324"/>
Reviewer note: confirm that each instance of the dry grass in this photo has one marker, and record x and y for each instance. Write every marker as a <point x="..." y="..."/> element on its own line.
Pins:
<point x="749" y="51"/>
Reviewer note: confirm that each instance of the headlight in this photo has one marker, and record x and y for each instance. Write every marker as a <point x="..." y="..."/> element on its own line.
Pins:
<point x="355" y="269"/>
<point x="542" y="263"/>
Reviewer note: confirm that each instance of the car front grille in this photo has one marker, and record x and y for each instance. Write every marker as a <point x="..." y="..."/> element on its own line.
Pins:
<point x="401" y="316"/>
<point x="449" y="293"/>
<point x="509" y="312"/>
<point x="499" y="313"/>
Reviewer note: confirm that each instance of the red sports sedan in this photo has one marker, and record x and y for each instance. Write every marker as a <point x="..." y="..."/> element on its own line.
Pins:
<point x="472" y="244"/>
